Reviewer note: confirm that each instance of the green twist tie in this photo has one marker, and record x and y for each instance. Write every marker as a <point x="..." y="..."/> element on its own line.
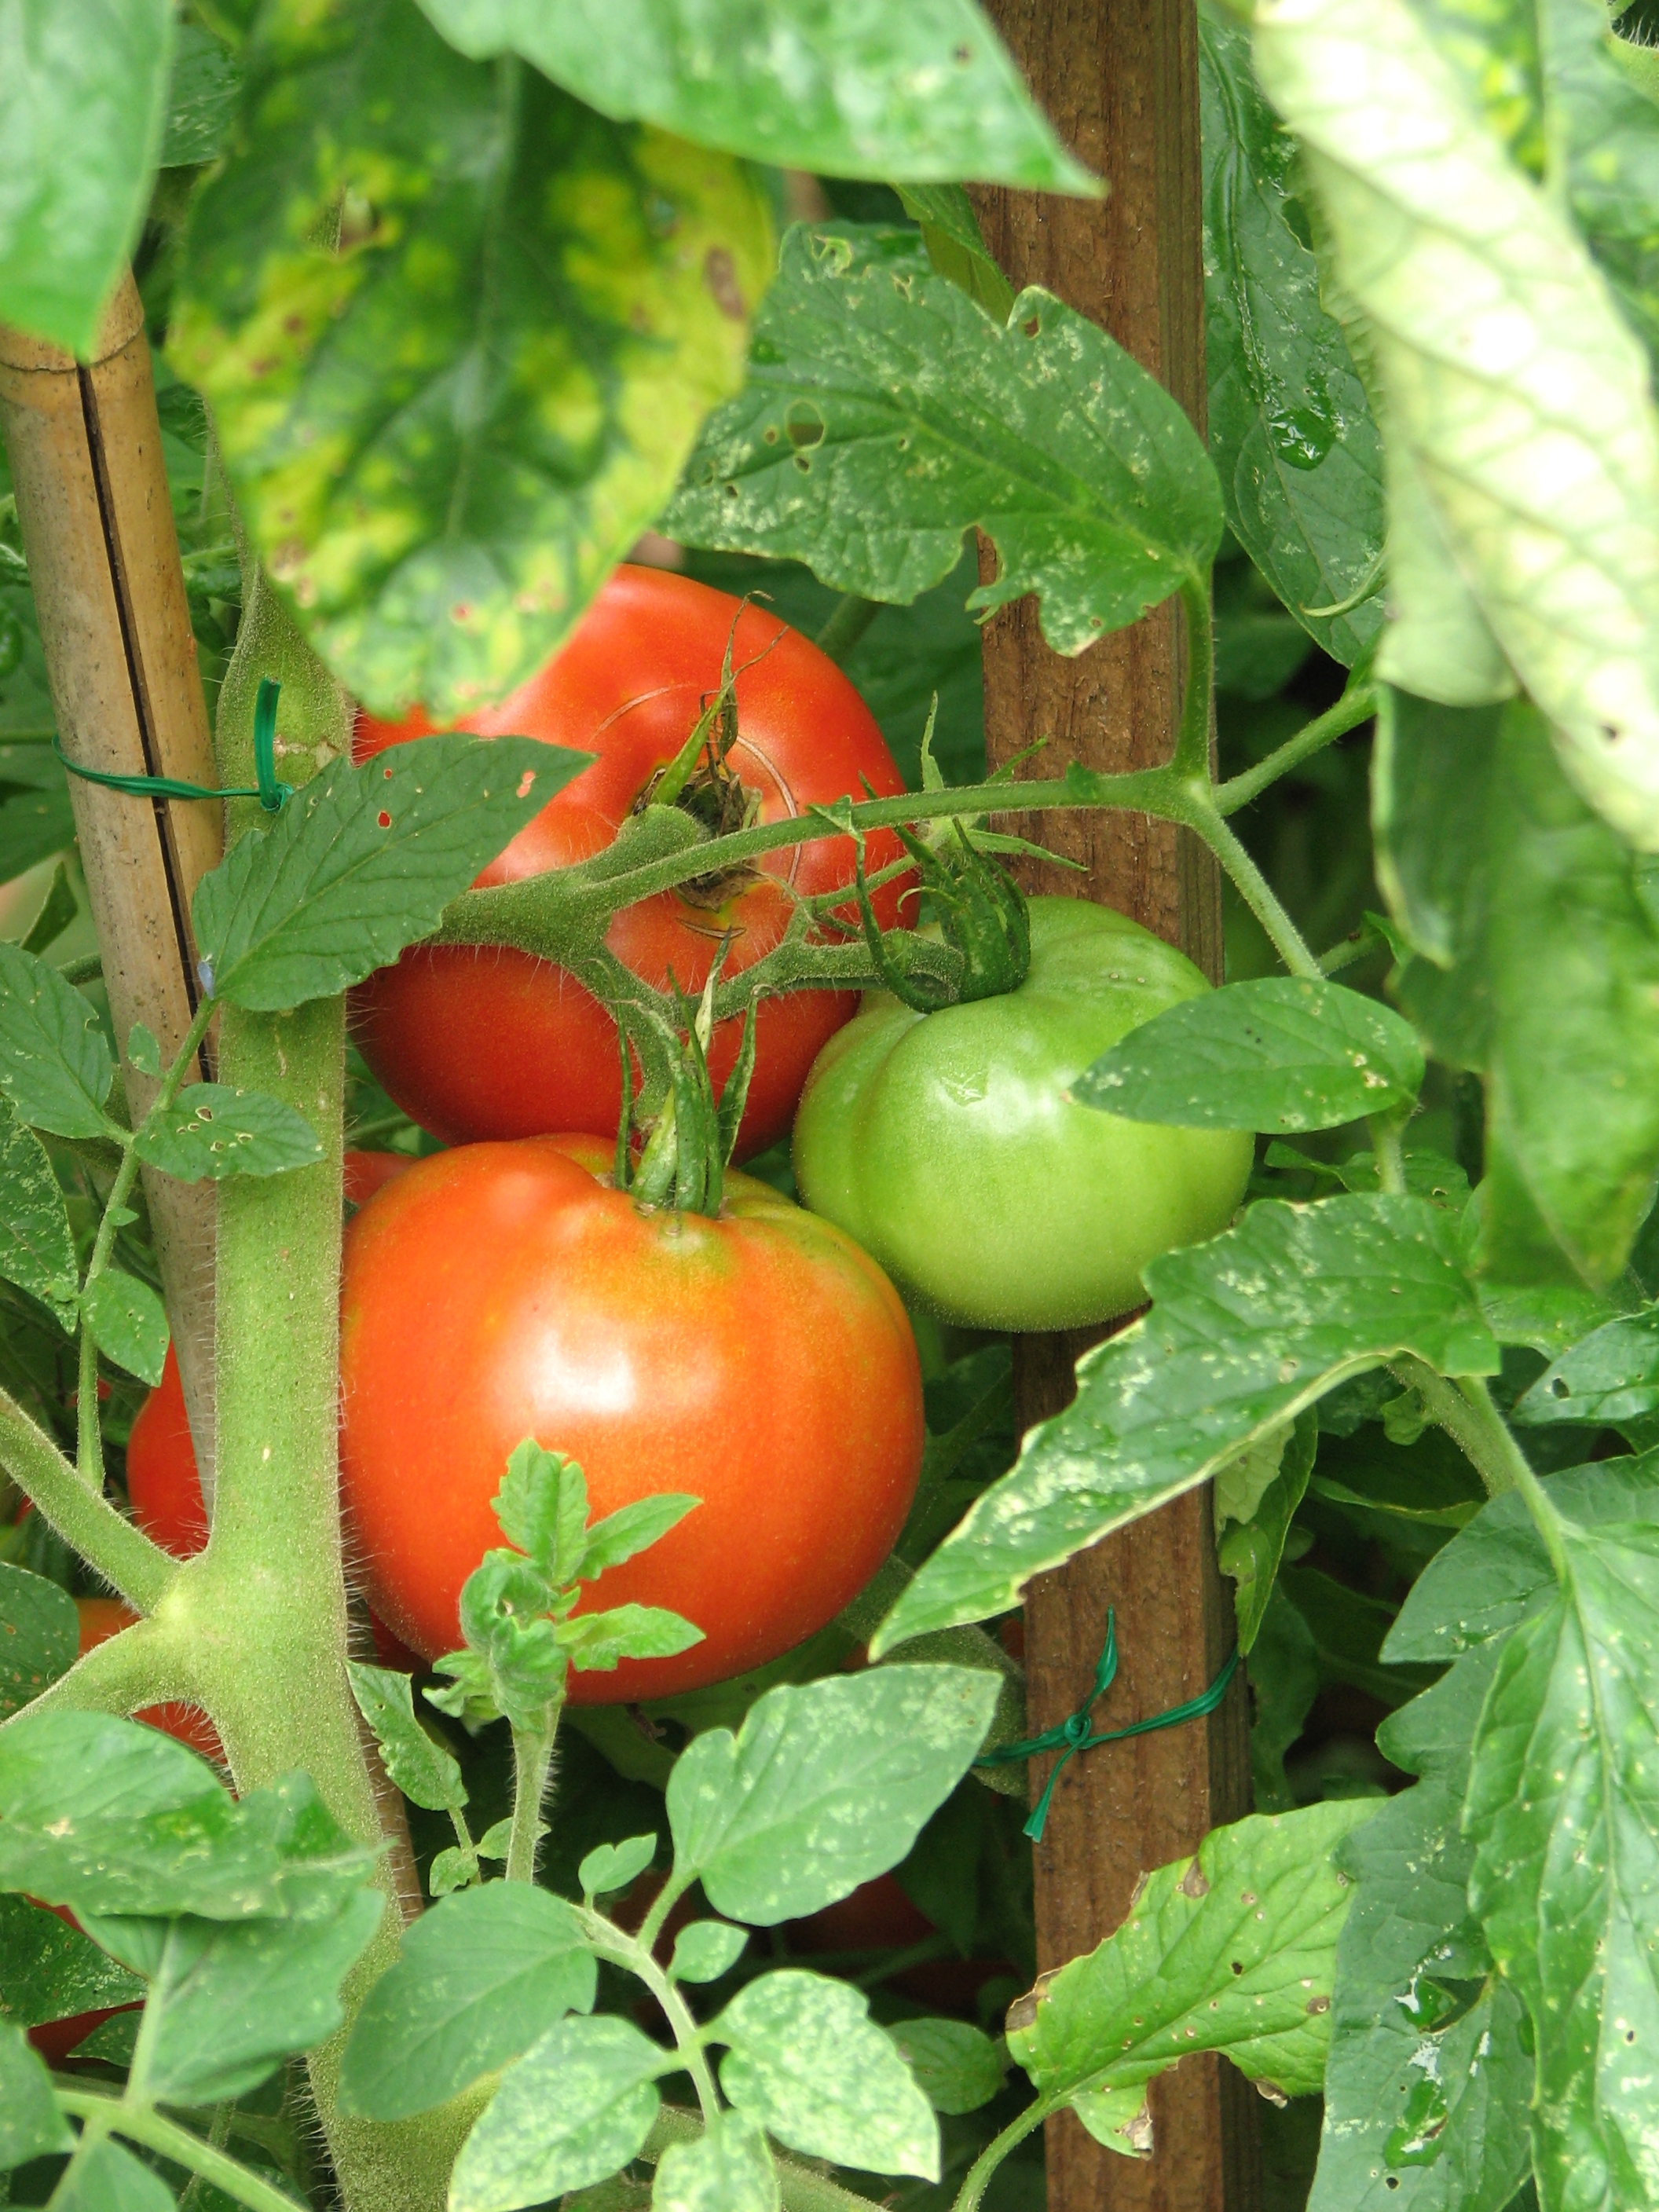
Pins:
<point x="271" y="791"/>
<point x="1077" y="1734"/>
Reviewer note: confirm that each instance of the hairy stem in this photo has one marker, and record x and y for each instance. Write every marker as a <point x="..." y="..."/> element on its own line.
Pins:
<point x="108" y="2115"/>
<point x="1357" y="704"/>
<point x="1253" y="889"/>
<point x="122" y="1555"/>
<point x="533" y="1763"/>
<point x="634" y="1952"/>
<point x="978" y="2176"/>
<point x="1465" y="1410"/>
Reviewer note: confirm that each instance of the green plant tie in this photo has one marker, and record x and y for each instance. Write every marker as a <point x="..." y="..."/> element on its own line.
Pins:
<point x="271" y="791"/>
<point x="1078" y="1733"/>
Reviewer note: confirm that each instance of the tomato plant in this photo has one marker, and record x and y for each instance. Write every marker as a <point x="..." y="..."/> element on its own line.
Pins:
<point x="429" y="395"/>
<point x="502" y="1044"/>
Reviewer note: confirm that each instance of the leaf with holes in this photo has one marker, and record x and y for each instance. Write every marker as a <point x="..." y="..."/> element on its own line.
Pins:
<point x="1611" y="1376"/>
<point x="212" y="1130"/>
<point x="570" y="296"/>
<point x="885" y="414"/>
<point x="128" y="1321"/>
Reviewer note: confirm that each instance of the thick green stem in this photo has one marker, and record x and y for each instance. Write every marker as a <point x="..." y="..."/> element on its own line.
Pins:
<point x="849" y="618"/>
<point x="533" y="1763"/>
<point x="1357" y="705"/>
<point x="1385" y="1132"/>
<point x="978" y="2176"/>
<point x="126" y="1558"/>
<point x="1465" y="1410"/>
<point x="140" y="2124"/>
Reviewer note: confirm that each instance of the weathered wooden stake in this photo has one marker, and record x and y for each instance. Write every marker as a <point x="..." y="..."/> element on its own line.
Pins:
<point x="1119" y="79"/>
<point x="85" y="446"/>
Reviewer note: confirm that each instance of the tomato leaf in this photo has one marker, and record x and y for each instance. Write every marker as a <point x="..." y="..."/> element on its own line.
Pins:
<point x="421" y="1768"/>
<point x="957" y="2068"/>
<point x="576" y="2108"/>
<point x="40" y="1634"/>
<point x="1283" y="1054"/>
<point x="825" y="1785"/>
<point x="571" y="297"/>
<point x="632" y="1528"/>
<point x="83" y="99"/>
<point x="809" y="2064"/>
<point x="858" y="90"/>
<point x="1284" y="1683"/>
<point x="480" y="1978"/>
<point x="707" y="1949"/>
<point x="201" y="97"/>
<point x="50" y="1971"/>
<point x="361" y="861"/>
<point x="1552" y="524"/>
<point x="37" y="1251"/>
<point x="1610" y="1376"/>
<point x="1290" y="429"/>
<point x="1251" y="1550"/>
<point x="31" y="2125"/>
<point x="128" y="1321"/>
<point x="55" y="1067"/>
<point x="1243" y="1333"/>
<point x="1540" y="967"/>
<point x="594" y="1642"/>
<point x="111" y="2180"/>
<point x="542" y="1510"/>
<point x="1232" y="1950"/>
<point x="885" y="414"/>
<point x="213" y="1131"/>
<point x="956" y="245"/>
<point x="613" y="1866"/>
<point x="728" y="2169"/>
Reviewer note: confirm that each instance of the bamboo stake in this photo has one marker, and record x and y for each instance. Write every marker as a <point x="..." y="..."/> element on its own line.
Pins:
<point x="85" y="448"/>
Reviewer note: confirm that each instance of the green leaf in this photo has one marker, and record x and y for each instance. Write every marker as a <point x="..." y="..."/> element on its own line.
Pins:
<point x="957" y="2068"/>
<point x="111" y="2180"/>
<point x="228" y="2004"/>
<point x="31" y="2125"/>
<point x="845" y="90"/>
<point x="1565" y="1818"/>
<point x="1231" y="1951"/>
<point x="808" y="2062"/>
<point x="50" y="1971"/>
<point x="706" y="1949"/>
<point x="885" y="414"/>
<point x="632" y="1528"/>
<point x="612" y="1867"/>
<point x="421" y="1768"/>
<point x="728" y="2169"/>
<point x="361" y="861"/>
<point x="55" y="1067"/>
<point x="954" y="244"/>
<point x="83" y="98"/>
<point x="825" y="1785"/>
<point x="1283" y="1054"/>
<point x="542" y="1508"/>
<point x="1284" y="1683"/>
<point x="1251" y="1550"/>
<point x="1349" y="1630"/>
<point x="1291" y="430"/>
<point x="36" y="1246"/>
<point x="1610" y="1376"/>
<point x="33" y="825"/>
<point x="481" y="1976"/>
<point x="596" y="1641"/>
<point x="128" y="1321"/>
<point x="54" y="915"/>
<point x="1427" y="2089"/>
<point x="112" y="1817"/>
<point x="513" y="1661"/>
<point x="213" y="1130"/>
<point x="39" y="1636"/>
<point x="1552" y="523"/>
<point x="1540" y="967"/>
<point x="1243" y="1333"/>
<point x="144" y="1050"/>
<point x="1429" y="1483"/>
<point x="571" y="297"/>
<point x="573" y="2109"/>
<point x="201" y="99"/>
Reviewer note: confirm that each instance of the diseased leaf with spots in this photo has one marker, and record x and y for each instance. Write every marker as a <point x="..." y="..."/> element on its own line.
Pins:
<point x="1285" y="1054"/>
<point x="128" y="1321"/>
<point x="50" y="1971"/>
<point x="843" y="87"/>
<point x="1232" y="1950"/>
<point x="885" y="414"/>
<point x="1243" y="1333"/>
<point x="213" y="1130"/>
<point x="1611" y="1375"/>
<point x="37" y="1251"/>
<point x="728" y="2169"/>
<point x="31" y="2125"/>
<point x="956" y="246"/>
<point x="576" y="2106"/>
<point x="40" y="1634"/>
<point x="708" y="1949"/>
<point x="55" y="1067"/>
<point x="570" y="296"/>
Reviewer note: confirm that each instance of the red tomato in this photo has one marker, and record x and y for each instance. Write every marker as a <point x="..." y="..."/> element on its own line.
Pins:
<point x="493" y="1044"/>
<point x="104" y="1616"/>
<point x="163" y="1485"/>
<point x="760" y="1362"/>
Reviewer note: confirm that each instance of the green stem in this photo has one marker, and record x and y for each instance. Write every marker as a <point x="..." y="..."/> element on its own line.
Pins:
<point x="661" y="1906"/>
<point x="1253" y="889"/>
<point x="848" y="619"/>
<point x="88" y="1429"/>
<point x="141" y="1666"/>
<point x="140" y="2124"/>
<point x="532" y="1762"/>
<point x="634" y="1952"/>
<point x="978" y="2176"/>
<point x="1190" y="762"/>
<point x="1357" y="705"/>
<point x="122" y="1554"/>
<point x="1465" y="1410"/>
<point x="1506" y="1454"/>
<point x="1385" y="1133"/>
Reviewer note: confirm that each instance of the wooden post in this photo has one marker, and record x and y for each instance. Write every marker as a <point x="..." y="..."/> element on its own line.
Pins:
<point x="85" y="448"/>
<point x="1119" y="80"/>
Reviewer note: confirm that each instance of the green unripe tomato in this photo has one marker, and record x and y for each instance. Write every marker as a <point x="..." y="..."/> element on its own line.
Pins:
<point x="946" y="1145"/>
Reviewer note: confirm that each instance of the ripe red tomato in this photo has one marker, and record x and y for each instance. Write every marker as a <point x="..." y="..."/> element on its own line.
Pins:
<point x="104" y="1616"/>
<point x="164" y="1486"/>
<point x="760" y="1362"/>
<point x="492" y="1043"/>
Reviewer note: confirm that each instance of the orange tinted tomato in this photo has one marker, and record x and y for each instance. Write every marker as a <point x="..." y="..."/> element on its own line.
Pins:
<point x="760" y="1362"/>
<point x="104" y="1616"/>
<point x="493" y="1044"/>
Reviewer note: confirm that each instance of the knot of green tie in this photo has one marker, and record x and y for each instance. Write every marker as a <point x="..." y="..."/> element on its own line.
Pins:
<point x="1078" y="1733"/>
<point x="269" y="791"/>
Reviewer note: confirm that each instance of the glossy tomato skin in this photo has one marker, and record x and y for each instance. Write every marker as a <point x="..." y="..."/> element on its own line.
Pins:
<point x="760" y="1362"/>
<point x="491" y="1043"/>
<point x="946" y="1145"/>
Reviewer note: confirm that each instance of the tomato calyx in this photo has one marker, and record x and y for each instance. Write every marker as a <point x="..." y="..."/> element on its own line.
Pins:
<point x="699" y="781"/>
<point x="689" y="1141"/>
<point x="982" y="915"/>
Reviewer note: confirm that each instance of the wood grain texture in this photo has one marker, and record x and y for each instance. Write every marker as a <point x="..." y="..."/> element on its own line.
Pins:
<point x="1119" y="78"/>
<point x="85" y="448"/>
